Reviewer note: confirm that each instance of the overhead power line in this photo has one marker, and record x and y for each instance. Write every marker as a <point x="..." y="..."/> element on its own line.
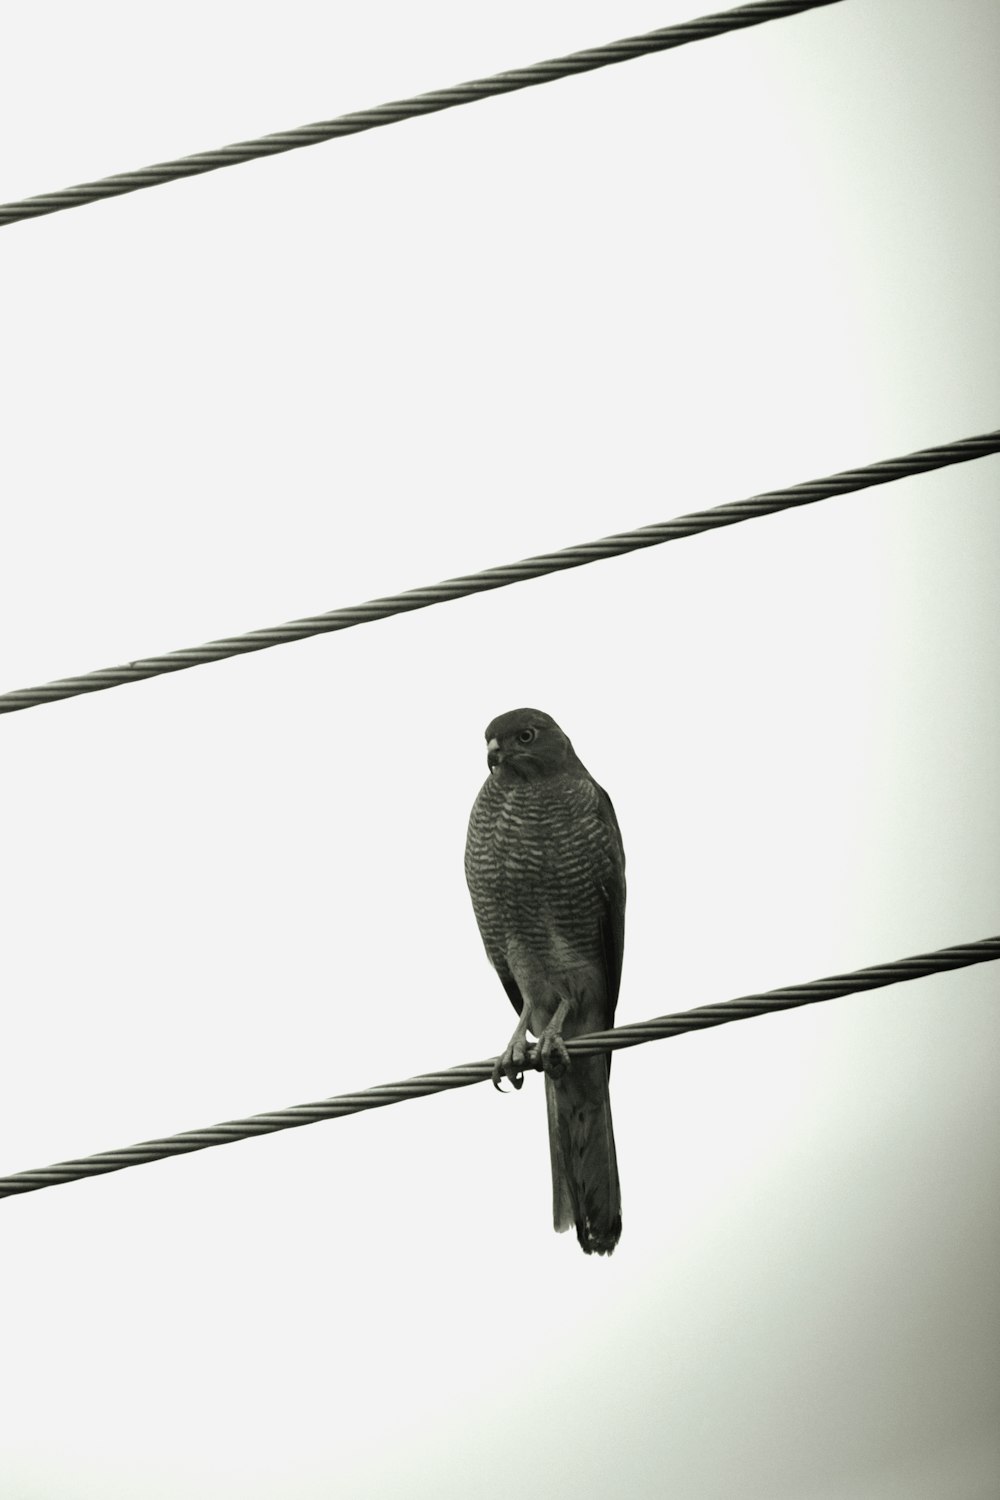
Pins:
<point x="960" y="451"/>
<point x="771" y="1001"/>
<point x="510" y="82"/>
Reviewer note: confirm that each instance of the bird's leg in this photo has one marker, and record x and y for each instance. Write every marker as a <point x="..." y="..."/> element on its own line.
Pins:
<point x="511" y="1064"/>
<point x="551" y="1047"/>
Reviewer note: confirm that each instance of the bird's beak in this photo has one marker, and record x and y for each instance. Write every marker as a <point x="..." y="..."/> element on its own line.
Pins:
<point x="493" y="756"/>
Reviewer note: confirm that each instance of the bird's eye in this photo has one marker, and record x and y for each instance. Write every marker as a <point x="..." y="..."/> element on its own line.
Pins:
<point x="525" y="736"/>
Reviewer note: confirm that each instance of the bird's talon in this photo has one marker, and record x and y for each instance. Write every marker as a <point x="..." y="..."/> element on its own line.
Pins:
<point x="510" y="1067"/>
<point x="553" y="1054"/>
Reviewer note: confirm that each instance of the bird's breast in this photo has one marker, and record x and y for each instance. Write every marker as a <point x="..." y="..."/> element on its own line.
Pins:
<point x="535" y="859"/>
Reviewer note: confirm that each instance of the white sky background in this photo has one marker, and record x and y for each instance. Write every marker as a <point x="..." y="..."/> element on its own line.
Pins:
<point x="388" y="360"/>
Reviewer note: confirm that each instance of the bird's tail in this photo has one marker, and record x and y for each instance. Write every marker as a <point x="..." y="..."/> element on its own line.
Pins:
<point x="585" y="1190"/>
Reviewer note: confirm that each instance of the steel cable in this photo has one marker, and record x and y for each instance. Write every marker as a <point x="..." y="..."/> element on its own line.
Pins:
<point x="876" y="977"/>
<point x="586" y="61"/>
<point x="960" y="451"/>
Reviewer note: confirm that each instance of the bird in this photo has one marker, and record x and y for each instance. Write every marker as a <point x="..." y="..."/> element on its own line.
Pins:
<point x="545" y="868"/>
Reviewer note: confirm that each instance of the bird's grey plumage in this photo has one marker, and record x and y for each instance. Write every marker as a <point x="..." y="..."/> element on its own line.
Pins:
<point x="546" y="871"/>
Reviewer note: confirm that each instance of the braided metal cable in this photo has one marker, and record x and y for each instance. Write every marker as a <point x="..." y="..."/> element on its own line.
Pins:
<point x="496" y="578"/>
<point x="876" y="977"/>
<point x="586" y="61"/>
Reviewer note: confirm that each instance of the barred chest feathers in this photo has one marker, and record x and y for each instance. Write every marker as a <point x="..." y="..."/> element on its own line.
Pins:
<point x="535" y="861"/>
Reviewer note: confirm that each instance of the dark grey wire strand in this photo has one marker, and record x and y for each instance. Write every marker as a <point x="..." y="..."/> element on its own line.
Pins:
<point x="960" y="451"/>
<point x="771" y="1001"/>
<point x="586" y="61"/>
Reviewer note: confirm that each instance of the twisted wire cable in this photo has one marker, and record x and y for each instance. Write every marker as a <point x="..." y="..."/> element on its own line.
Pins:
<point x="876" y="977"/>
<point x="496" y="578"/>
<point x="586" y="61"/>
<point x="766" y="504"/>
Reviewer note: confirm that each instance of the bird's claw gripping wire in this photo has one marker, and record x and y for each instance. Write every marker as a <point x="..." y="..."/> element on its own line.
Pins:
<point x="510" y="1066"/>
<point x="551" y="1054"/>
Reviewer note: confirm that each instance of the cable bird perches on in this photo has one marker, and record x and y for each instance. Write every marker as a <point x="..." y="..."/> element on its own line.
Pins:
<point x="587" y="61"/>
<point x="942" y="960"/>
<point x="883" y="472"/>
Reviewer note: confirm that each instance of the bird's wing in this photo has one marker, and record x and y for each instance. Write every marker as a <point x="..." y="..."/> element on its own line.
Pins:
<point x="613" y="893"/>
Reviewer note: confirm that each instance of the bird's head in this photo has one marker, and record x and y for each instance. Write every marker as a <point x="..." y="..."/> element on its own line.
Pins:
<point x="527" y="744"/>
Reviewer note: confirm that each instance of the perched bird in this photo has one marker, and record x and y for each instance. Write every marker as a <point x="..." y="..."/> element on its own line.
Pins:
<point x="546" y="872"/>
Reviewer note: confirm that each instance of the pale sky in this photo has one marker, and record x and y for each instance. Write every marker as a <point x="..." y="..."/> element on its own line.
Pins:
<point x="388" y="360"/>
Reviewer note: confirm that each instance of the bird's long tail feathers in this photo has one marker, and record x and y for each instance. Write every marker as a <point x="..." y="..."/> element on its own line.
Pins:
<point x="585" y="1190"/>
